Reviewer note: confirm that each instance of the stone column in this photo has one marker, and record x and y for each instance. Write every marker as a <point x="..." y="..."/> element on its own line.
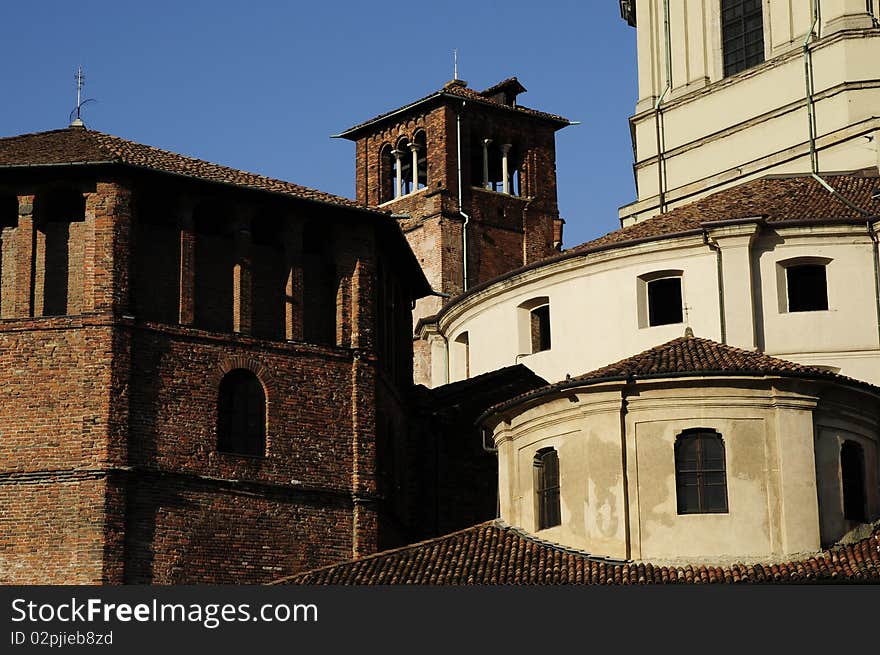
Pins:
<point x="242" y="277"/>
<point x="486" y="143"/>
<point x="736" y="293"/>
<point x="505" y="167"/>
<point x="24" y="259"/>
<point x="415" y="147"/>
<point x="398" y="181"/>
<point x="187" y="276"/>
<point x="293" y="290"/>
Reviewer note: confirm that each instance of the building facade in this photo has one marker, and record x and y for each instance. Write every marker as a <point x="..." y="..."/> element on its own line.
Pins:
<point x="733" y="90"/>
<point x="203" y="368"/>
<point x="756" y="228"/>
<point x="471" y="177"/>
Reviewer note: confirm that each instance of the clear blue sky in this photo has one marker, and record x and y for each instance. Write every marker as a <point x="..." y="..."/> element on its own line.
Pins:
<point x="262" y="85"/>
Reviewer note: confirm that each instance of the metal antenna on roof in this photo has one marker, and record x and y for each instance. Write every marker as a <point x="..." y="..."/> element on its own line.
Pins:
<point x="455" y="64"/>
<point x="76" y="114"/>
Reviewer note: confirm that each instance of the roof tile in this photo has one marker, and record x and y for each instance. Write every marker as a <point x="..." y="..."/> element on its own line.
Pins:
<point x="687" y="356"/>
<point x="76" y="145"/>
<point x="496" y="553"/>
<point x="775" y="199"/>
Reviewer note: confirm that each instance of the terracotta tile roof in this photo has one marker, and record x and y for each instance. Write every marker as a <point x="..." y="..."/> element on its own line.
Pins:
<point x="78" y="145"/>
<point x="775" y="199"/>
<point x="691" y="355"/>
<point x="495" y="553"/>
<point x="459" y="89"/>
<point x="686" y="357"/>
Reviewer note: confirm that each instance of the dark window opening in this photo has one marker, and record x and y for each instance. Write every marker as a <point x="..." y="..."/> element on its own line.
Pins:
<point x="386" y="174"/>
<point x="664" y="301"/>
<point x="540" y="328"/>
<point x="807" y="288"/>
<point x="213" y="302"/>
<point x="852" y="472"/>
<point x="487" y="166"/>
<point x="269" y="273"/>
<point x="546" y="465"/>
<point x="8" y="219"/>
<point x="241" y="415"/>
<point x="54" y="213"/>
<point x="402" y="167"/>
<point x="463" y="353"/>
<point x="8" y="211"/>
<point x="319" y="285"/>
<point x="700" y="473"/>
<point x="742" y="30"/>
<point x="421" y="145"/>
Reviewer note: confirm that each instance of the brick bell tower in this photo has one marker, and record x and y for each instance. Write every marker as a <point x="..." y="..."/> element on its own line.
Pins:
<point x="471" y="177"/>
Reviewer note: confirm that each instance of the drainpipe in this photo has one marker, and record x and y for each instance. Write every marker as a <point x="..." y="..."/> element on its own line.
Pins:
<point x="814" y="155"/>
<point x="811" y="106"/>
<point x="720" y="275"/>
<point x="811" y="115"/>
<point x="658" y="113"/>
<point x="467" y="219"/>
<point x="625" y="467"/>
<point x="875" y="248"/>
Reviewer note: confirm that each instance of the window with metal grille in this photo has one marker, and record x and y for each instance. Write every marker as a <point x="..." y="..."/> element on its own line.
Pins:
<point x="700" y="474"/>
<point x="807" y="288"/>
<point x="742" y="32"/>
<point x="852" y="473"/>
<point x="546" y="465"/>
<point x="241" y="415"/>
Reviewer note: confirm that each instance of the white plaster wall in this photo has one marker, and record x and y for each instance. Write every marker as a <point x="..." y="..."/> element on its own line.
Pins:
<point x="623" y="503"/>
<point x="719" y="130"/>
<point x="594" y="305"/>
<point x="593" y="312"/>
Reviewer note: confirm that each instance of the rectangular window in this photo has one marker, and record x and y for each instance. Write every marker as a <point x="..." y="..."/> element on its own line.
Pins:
<point x="546" y="465"/>
<point x="664" y="301"/>
<point x="700" y="473"/>
<point x="807" y="288"/>
<point x="742" y="33"/>
<point x="540" y="324"/>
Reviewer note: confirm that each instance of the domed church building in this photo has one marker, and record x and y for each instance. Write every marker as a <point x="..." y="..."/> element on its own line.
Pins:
<point x="740" y="300"/>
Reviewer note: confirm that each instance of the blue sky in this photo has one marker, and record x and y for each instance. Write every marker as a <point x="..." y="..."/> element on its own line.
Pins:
<point x="262" y="85"/>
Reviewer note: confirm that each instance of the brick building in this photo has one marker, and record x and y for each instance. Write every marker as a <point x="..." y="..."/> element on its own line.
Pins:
<point x="471" y="175"/>
<point x="199" y="365"/>
<point x="206" y="365"/>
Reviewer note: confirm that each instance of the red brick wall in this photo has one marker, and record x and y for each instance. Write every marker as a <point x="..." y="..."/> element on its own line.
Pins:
<point x="185" y="531"/>
<point x="434" y="227"/>
<point x="52" y="530"/>
<point x="109" y="470"/>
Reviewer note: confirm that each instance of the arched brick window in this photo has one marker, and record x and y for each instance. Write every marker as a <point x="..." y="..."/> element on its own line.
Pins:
<point x="852" y="473"/>
<point x="700" y="472"/>
<point x="386" y="173"/>
<point x="546" y="464"/>
<point x="241" y="415"/>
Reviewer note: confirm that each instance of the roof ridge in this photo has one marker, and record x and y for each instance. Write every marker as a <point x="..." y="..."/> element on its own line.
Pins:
<point x="121" y="156"/>
<point x="692" y="363"/>
<point x="38" y="133"/>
